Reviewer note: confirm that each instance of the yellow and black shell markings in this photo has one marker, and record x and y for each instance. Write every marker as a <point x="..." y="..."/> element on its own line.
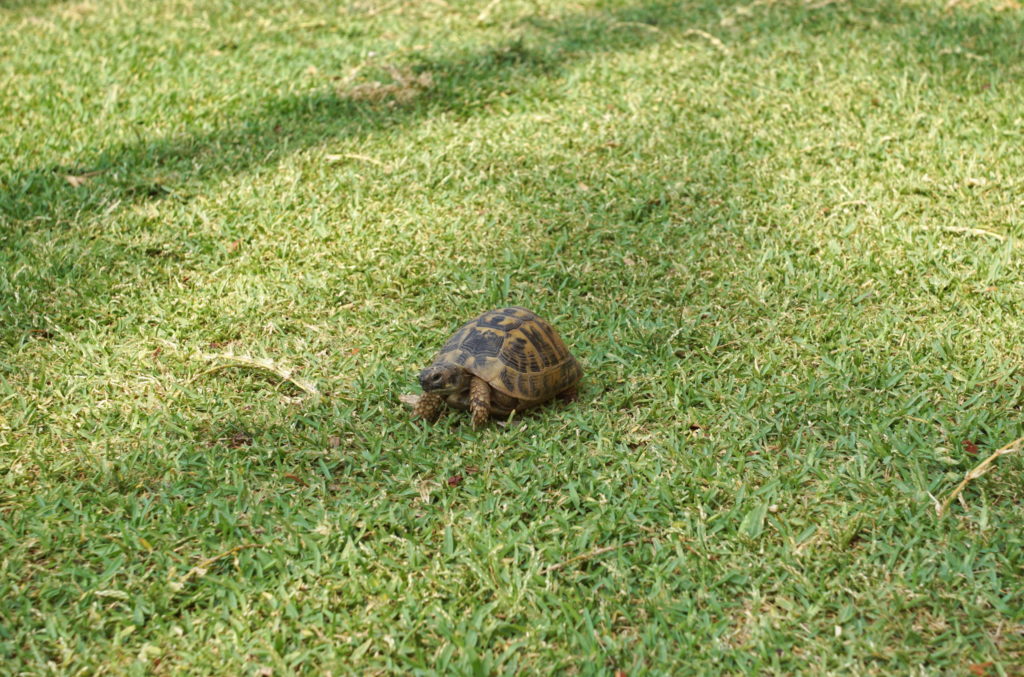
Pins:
<point x="516" y="352"/>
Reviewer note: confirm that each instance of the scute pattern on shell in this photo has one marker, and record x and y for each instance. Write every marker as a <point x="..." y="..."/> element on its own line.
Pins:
<point x="516" y="352"/>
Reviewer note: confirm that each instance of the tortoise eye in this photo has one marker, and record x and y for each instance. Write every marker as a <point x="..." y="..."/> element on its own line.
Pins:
<point x="436" y="378"/>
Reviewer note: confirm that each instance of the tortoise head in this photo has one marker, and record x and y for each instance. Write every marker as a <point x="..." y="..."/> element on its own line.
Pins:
<point x="444" y="379"/>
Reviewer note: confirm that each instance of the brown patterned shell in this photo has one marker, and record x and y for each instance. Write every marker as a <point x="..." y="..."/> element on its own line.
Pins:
<point x="516" y="352"/>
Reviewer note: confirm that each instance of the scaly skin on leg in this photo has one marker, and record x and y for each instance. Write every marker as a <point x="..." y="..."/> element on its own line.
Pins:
<point x="479" y="401"/>
<point x="569" y="394"/>
<point x="428" y="407"/>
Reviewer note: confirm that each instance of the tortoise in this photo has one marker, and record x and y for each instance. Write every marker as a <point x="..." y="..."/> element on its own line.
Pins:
<point x="499" y="363"/>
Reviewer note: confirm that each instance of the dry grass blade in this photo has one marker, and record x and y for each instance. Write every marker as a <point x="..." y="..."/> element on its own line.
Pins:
<point x="386" y="7"/>
<point x="593" y="553"/>
<point x="77" y="180"/>
<point x="201" y="568"/>
<point x="636" y="24"/>
<point x="352" y="156"/>
<point x="974" y="231"/>
<point x="718" y="44"/>
<point x="977" y="472"/>
<point x="264" y="364"/>
<point x="485" y="14"/>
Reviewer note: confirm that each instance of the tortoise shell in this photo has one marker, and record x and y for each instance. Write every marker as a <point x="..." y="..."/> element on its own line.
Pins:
<point x="516" y="352"/>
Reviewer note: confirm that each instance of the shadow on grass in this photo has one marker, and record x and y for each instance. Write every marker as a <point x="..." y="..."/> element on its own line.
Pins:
<point x="461" y="83"/>
<point x="41" y="196"/>
<point x="28" y="4"/>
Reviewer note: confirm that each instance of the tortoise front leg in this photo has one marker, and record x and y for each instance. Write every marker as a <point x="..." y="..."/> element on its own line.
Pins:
<point x="479" y="401"/>
<point x="428" y="407"/>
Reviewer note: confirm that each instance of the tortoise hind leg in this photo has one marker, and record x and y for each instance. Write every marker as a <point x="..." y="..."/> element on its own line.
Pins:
<point x="428" y="407"/>
<point x="569" y="395"/>
<point x="479" y="401"/>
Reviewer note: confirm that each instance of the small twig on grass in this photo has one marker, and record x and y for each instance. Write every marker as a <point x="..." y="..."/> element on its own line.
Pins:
<point x="305" y="26"/>
<point x="682" y="540"/>
<point x="258" y="363"/>
<point x="822" y="4"/>
<point x="77" y="180"/>
<point x="977" y="472"/>
<point x="718" y="44"/>
<point x="486" y="12"/>
<point x="636" y="24"/>
<point x="850" y="203"/>
<point x="353" y="156"/>
<point x="593" y="553"/>
<point x="975" y="231"/>
<point x="201" y="568"/>
<point x="386" y="7"/>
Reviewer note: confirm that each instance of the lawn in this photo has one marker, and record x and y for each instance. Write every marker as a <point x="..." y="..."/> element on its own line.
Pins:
<point x="783" y="238"/>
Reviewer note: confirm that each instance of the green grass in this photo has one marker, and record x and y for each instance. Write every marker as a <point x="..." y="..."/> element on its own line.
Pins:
<point x="789" y="262"/>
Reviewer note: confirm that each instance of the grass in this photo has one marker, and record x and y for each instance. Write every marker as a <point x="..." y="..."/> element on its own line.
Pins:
<point x="788" y="257"/>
